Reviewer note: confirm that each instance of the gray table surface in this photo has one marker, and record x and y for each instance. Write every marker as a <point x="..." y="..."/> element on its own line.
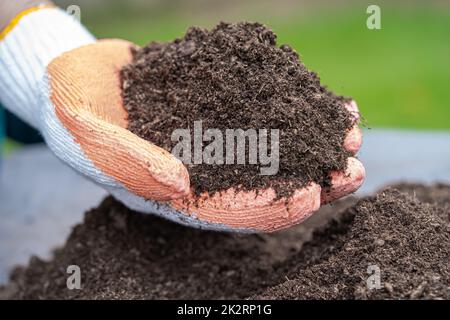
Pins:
<point x="41" y="199"/>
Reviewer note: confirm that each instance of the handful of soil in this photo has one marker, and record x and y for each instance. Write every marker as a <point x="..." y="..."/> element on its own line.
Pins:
<point x="129" y="255"/>
<point x="236" y="77"/>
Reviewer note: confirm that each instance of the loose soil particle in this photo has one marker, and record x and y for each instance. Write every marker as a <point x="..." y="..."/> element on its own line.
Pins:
<point x="124" y="254"/>
<point x="236" y="77"/>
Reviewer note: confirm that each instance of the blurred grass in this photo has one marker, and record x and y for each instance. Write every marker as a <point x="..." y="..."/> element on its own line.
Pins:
<point x="399" y="75"/>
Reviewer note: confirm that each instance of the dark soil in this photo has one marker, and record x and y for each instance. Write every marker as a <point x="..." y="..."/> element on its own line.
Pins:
<point x="406" y="239"/>
<point x="236" y="77"/>
<point x="124" y="254"/>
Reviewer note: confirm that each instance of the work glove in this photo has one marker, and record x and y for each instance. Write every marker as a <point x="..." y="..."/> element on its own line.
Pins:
<point x="58" y="78"/>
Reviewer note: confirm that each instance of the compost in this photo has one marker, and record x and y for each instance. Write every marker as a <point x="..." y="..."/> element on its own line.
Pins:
<point x="235" y="76"/>
<point x="122" y="254"/>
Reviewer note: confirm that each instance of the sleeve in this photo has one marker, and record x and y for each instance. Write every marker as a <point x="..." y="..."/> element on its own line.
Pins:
<point x="27" y="45"/>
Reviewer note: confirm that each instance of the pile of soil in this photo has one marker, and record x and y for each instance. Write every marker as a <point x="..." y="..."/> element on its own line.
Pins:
<point x="124" y="254"/>
<point x="236" y="77"/>
<point x="407" y="241"/>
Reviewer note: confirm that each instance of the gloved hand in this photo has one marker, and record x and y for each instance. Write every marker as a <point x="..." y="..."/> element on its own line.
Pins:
<point x="59" y="79"/>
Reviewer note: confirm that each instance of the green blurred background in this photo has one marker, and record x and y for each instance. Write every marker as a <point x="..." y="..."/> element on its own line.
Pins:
<point x="399" y="75"/>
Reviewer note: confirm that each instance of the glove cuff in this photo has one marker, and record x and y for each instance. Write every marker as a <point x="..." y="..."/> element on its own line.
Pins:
<point x="33" y="39"/>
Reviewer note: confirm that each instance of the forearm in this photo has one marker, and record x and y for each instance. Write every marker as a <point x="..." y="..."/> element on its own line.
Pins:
<point x="10" y="9"/>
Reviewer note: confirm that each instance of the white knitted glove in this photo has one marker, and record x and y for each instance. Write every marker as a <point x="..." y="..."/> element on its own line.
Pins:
<point x="35" y="39"/>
